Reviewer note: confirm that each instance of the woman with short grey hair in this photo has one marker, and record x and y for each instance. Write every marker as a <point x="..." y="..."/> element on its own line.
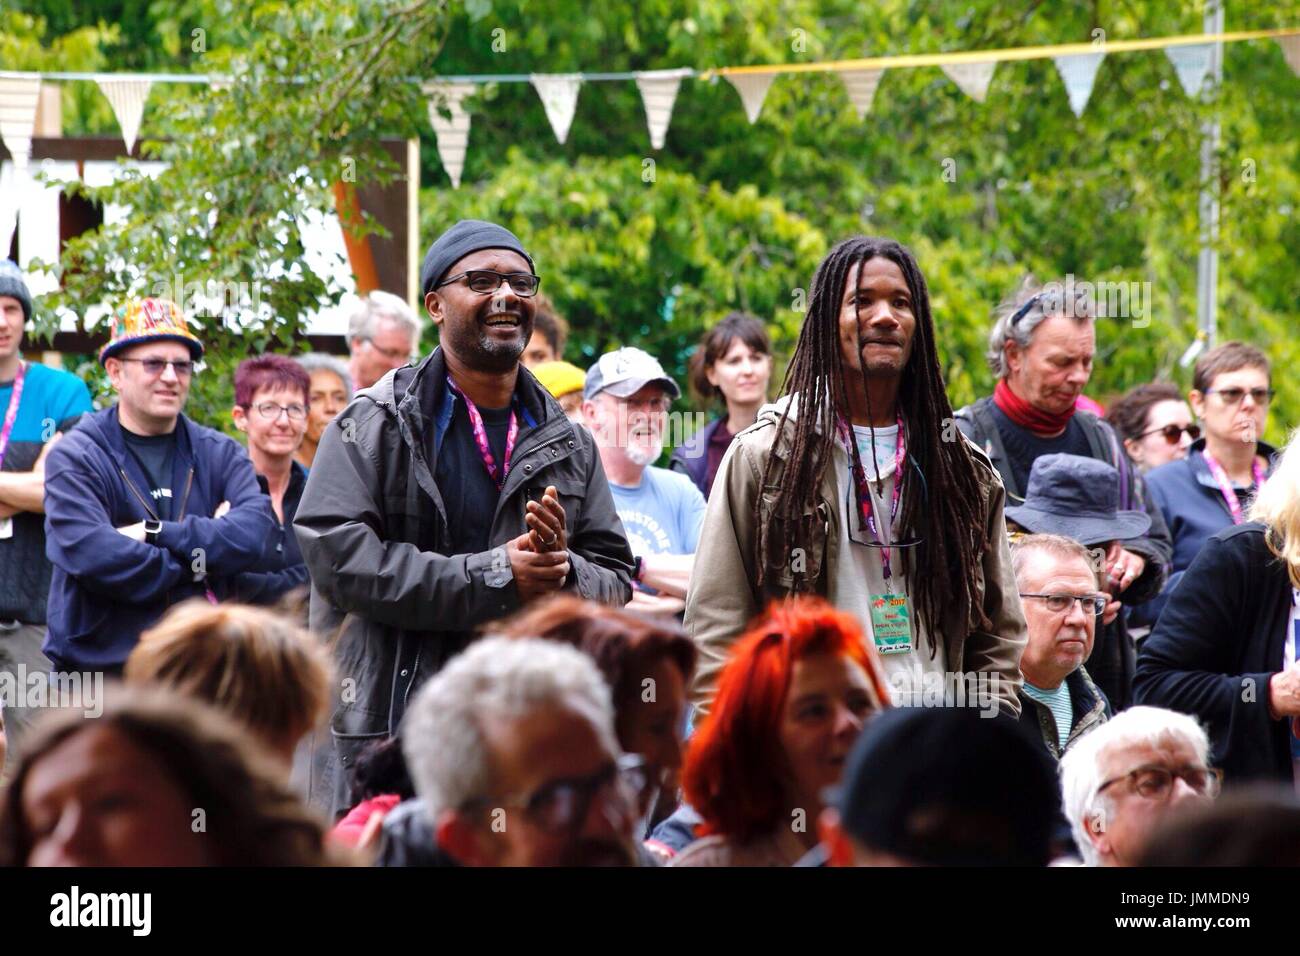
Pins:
<point x="331" y="390"/>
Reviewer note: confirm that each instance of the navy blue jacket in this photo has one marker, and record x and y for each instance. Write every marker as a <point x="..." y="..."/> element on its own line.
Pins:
<point x="107" y="588"/>
<point x="691" y="457"/>
<point x="1221" y="637"/>
<point x="283" y="568"/>
<point x="1194" y="509"/>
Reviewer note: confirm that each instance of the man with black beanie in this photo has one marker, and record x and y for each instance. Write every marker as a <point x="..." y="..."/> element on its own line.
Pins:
<point x="448" y="495"/>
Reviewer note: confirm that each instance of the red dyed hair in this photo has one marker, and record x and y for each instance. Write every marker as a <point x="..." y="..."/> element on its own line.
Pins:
<point x="736" y="771"/>
<point x="269" y="371"/>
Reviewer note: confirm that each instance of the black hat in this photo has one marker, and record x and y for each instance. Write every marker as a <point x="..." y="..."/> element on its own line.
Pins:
<point x="946" y="786"/>
<point x="1077" y="497"/>
<point x="468" y="235"/>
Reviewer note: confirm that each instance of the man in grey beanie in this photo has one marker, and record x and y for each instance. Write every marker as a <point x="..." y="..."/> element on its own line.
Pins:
<point x="448" y="495"/>
<point x="37" y="404"/>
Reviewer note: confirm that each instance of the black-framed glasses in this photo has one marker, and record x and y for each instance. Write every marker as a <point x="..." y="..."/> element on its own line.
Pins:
<point x="271" y="411"/>
<point x="1061" y="603"/>
<point x="485" y="281"/>
<point x="1233" y="396"/>
<point x="1156" y="783"/>
<point x="1173" y="433"/>
<point x="562" y="805"/>
<point x="156" y="366"/>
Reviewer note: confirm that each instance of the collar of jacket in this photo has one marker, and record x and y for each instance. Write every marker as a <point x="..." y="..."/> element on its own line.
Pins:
<point x="1088" y="707"/>
<point x="1201" y="471"/>
<point x="105" y="429"/>
<point x="292" y="491"/>
<point x="552" y="427"/>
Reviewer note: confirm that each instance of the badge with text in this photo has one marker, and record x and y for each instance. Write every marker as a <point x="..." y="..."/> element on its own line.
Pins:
<point x="891" y="623"/>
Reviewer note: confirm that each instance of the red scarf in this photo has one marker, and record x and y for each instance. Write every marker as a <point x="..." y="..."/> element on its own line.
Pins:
<point x="1041" y="423"/>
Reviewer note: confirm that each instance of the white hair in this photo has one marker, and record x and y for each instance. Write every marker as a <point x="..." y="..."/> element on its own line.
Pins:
<point x="1081" y="765"/>
<point x="319" y="361"/>
<point x="1050" y="302"/>
<point x="442" y="735"/>
<point x="381" y="305"/>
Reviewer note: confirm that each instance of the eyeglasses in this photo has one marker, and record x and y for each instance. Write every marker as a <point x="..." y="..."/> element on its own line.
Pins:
<point x="1173" y="433"/>
<point x="1233" y="396"/>
<point x="1061" y="603"/>
<point x="393" y="355"/>
<point x="485" y="281"/>
<point x="1156" y="783"/>
<point x="156" y="366"/>
<point x="270" y="411"/>
<point x="562" y="805"/>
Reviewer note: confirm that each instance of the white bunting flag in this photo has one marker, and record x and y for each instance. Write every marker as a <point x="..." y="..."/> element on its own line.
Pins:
<point x="18" y="99"/>
<point x="861" y="86"/>
<point x="973" y="79"/>
<point x="658" y="94"/>
<point x="559" y="93"/>
<point x="1291" y="50"/>
<point x="1078" y="73"/>
<point x="1191" y="63"/>
<point x="752" y="88"/>
<point x="452" y="134"/>
<point x="127" y="97"/>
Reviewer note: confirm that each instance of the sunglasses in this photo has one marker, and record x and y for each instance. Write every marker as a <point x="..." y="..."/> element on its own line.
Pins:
<point x="1174" y="433"/>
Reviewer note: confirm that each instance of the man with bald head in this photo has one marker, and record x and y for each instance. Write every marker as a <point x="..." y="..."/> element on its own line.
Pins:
<point x="450" y="494"/>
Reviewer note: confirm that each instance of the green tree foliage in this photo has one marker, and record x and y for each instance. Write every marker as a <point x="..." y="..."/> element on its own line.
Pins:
<point x="984" y="193"/>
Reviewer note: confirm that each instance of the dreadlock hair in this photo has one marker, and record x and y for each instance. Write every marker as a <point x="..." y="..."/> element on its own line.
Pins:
<point x="948" y="514"/>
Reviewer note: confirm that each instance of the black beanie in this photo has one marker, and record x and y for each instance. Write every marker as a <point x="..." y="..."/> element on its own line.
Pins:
<point x="468" y="235"/>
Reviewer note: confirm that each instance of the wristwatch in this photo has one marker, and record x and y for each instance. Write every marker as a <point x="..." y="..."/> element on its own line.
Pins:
<point x="638" y="571"/>
<point x="151" y="531"/>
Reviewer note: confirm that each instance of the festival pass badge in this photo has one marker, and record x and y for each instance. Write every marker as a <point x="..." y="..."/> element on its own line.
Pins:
<point x="891" y="623"/>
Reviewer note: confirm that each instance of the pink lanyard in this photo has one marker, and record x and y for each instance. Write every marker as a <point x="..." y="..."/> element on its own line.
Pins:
<point x="498" y="475"/>
<point x="11" y="414"/>
<point x="864" y="491"/>
<point x="1225" y="486"/>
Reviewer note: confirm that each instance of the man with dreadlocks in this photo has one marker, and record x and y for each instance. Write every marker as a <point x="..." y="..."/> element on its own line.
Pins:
<point x="857" y="486"/>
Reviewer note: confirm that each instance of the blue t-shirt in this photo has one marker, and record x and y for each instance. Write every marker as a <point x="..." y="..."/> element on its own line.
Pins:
<point x="52" y="400"/>
<point x="662" y="515"/>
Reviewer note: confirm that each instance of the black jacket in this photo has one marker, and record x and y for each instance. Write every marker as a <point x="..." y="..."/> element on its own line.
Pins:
<point x="1090" y="709"/>
<point x="282" y="569"/>
<point x="1219" y="639"/>
<point x="1111" y="663"/>
<point x="372" y="526"/>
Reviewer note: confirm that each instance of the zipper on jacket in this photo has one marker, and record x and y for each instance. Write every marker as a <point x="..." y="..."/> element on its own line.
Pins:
<point x="189" y="483"/>
<point x="130" y="484"/>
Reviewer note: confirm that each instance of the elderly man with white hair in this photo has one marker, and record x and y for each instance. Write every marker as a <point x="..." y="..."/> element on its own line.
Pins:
<point x="1125" y="777"/>
<point x="383" y="334"/>
<point x="512" y="748"/>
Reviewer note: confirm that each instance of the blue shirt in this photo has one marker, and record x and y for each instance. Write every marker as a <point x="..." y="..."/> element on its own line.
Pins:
<point x="662" y="515"/>
<point x="52" y="400"/>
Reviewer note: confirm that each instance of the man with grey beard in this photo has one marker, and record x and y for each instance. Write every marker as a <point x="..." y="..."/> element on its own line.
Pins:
<point x="625" y="404"/>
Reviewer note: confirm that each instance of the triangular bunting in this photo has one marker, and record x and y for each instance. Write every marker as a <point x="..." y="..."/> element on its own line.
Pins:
<point x="861" y="87"/>
<point x="1078" y="73"/>
<point x="658" y="94"/>
<point x="559" y="93"/>
<point x="18" y="99"/>
<point x="973" y="79"/>
<point x="1191" y="63"/>
<point x="127" y="97"/>
<point x="752" y="88"/>
<point x="452" y="134"/>
<point x="1291" y="50"/>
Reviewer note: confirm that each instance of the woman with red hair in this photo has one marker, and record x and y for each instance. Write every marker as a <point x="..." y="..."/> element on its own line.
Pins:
<point x="791" y="701"/>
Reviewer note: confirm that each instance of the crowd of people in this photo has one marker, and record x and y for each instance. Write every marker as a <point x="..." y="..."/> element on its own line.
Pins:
<point x="449" y="610"/>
